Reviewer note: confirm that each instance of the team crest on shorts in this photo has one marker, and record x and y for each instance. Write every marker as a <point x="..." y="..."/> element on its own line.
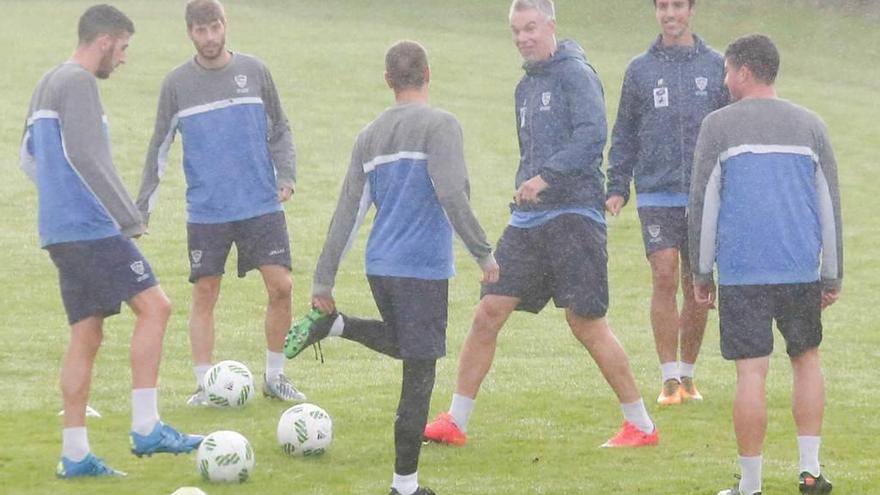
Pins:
<point x="137" y="267"/>
<point x="196" y="255"/>
<point x="654" y="231"/>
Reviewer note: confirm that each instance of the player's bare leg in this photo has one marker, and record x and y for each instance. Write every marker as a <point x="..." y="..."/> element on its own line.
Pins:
<point x="665" y="320"/>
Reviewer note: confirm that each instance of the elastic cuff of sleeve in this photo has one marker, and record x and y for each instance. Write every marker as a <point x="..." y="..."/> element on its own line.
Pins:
<point x="703" y="279"/>
<point x="133" y="230"/>
<point x="832" y="284"/>
<point x="487" y="261"/>
<point x="322" y="290"/>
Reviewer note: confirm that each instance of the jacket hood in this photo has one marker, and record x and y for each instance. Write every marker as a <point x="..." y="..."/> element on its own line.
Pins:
<point x="677" y="53"/>
<point x="565" y="50"/>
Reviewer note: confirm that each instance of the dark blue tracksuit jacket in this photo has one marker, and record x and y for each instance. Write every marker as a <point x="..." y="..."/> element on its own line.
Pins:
<point x="562" y="129"/>
<point x="667" y="91"/>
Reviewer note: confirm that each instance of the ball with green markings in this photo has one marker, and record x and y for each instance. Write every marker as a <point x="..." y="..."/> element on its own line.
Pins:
<point x="305" y="430"/>
<point x="229" y="384"/>
<point x="225" y="457"/>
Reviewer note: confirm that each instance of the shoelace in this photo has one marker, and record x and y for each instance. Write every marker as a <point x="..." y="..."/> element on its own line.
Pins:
<point x="317" y="347"/>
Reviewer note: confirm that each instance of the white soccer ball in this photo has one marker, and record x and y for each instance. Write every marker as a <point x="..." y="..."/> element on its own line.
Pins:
<point x="229" y="384"/>
<point x="305" y="430"/>
<point x="225" y="457"/>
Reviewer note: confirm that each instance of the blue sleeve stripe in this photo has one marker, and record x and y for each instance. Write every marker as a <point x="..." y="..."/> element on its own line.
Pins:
<point x="386" y="159"/>
<point x="828" y="226"/>
<point x="764" y="149"/>
<point x="217" y="105"/>
<point x="709" y="221"/>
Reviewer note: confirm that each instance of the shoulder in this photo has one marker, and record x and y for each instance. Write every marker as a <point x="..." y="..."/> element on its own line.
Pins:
<point x="250" y="61"/>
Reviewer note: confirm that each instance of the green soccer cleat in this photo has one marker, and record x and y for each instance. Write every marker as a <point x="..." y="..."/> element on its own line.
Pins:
<point x="307" y="331"/>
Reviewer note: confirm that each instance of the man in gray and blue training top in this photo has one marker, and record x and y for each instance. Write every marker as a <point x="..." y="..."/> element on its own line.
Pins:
<point x="86" y="220"/>
<point x="409" y="162"/>
<point x="555" y="244"/>
<point x="239" y="160"/>
<point x="667" y="91"/>
<point x="765" y="207"/>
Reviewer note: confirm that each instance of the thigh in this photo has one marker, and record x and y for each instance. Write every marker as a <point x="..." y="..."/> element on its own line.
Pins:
<point x="575" y="248"/>
<point x="524" y="273"/>
<point x="799" y="316"/>
<point x="262" y="241"/>
<point x="417" y="311"/>
<point x="746" y="321"/>
<point x="663" y="228"/>
<point x="209" y="245"/>
<point x="97" y="276"/>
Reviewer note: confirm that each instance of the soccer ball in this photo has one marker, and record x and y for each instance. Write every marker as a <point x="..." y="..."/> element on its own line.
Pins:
<point x="229" y="384"/>
<point x="225" y="457"/>
<point x="305" y="430"/>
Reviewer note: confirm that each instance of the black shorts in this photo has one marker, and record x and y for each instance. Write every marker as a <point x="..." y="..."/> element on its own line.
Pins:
<point x="259" y="241"/>
<point x="97" y="276"/>
<point x="416" y="310"/>
<point x="565" y="258"/>
<point x="664" y="228"/>
<point x="746" y="314"/>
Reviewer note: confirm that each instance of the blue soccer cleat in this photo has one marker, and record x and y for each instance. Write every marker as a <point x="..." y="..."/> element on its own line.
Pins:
<point x="163" y="439"/>
<point x="90" y="466"/>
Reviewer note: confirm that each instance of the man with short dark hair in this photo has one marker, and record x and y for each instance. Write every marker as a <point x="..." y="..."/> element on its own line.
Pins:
<point x="667" y="91"/>
<point x="555" y="244"/>
<point x="239" y="163"/>
<point x="765" y="207"/>
<point x="86" y="222"/>
<point x="409" y="162"/>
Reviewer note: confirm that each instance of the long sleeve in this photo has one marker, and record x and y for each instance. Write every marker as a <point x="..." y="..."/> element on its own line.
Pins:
<point x="351" y="208"/>
<point x="624" y="140"/>
<point x="704" y="202"/>
<point x="830" y="219"/>
<point x="583" y="151"/>
<point x="85" y="136"/>
<point x="280" y="137"/>
<point x="446" y="166"/>
<point x="156" y="162"/>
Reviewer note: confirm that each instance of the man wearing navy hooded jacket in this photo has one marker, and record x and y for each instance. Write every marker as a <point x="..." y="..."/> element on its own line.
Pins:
<point x="667" y="91"/>
<point x="555" y="244"/>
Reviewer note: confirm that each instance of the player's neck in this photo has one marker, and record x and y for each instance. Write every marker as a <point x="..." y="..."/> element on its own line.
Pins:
<point x="411" y="95"/>
<point x="88" y="59"/>
<point x="685" y="39"/>
<point x="761" y="91"/>
<point x="214" y="63"/>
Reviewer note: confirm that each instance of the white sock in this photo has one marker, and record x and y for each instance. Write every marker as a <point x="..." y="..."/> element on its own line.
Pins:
<point x="144" y="410"/>
<point x="406" y="484"/>
<point x="201" y="370"/>
<point x="809" y="448"/>
<point x="460" y="410"/>
<point x="336" y="329"/>
<point x="635" y="413"/>
<point x="75" y="443"/>
<point x="751" y="468"/>
<point x="686" y="369"/>
<point x="274" y="363"/>
<point x="669" y="371"/>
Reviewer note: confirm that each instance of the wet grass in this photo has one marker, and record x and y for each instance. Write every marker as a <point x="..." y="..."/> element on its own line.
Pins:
<point x="544" y="408"/>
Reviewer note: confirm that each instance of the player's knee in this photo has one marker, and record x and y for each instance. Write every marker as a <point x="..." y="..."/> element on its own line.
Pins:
<point x="665" y="279"/>
<point x="280" y="290"/>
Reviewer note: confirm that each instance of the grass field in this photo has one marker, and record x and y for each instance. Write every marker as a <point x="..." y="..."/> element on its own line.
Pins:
<point x="544" y="408"/>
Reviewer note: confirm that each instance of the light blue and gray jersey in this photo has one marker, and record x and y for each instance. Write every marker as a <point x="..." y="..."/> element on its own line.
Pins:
<point x="237" y="143"/>
<point x="66" y="151"/>
<point x="764" y="200"/>
<point x="409" y="163"/>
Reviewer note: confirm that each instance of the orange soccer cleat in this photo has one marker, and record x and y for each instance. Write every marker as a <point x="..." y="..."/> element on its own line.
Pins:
<point x="444" y="430"/>
<point x="631" y="436"/>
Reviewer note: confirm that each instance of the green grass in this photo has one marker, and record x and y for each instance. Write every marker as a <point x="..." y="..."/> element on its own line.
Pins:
<point x="544" y="408"/>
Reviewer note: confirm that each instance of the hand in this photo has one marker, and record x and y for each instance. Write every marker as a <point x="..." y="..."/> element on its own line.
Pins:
<point x="490" y="274"/>
<point x="829" y="297"/>
<point x="614" y="204"/>
<point x="529" y="190"/>
<point x="325" y="304"/>
<point x="284" y="193"/>
<point x="705" y="294"/>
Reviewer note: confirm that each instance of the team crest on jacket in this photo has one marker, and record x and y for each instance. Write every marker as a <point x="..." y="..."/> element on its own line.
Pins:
<point x="241" y="82"/>
<point x="546" y="96"/>
<point x="702" y="83"/>
<point x="137" y="267"/>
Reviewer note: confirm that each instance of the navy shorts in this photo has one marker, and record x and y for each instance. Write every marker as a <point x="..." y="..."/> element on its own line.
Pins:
<point x="259" y="241"/>
<point x="416" y="311"/>
<point x="565" y="259"/>
<point x="664" y="228"/>
<point x="97" y="276"/>
<point x="746" y="314"/>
